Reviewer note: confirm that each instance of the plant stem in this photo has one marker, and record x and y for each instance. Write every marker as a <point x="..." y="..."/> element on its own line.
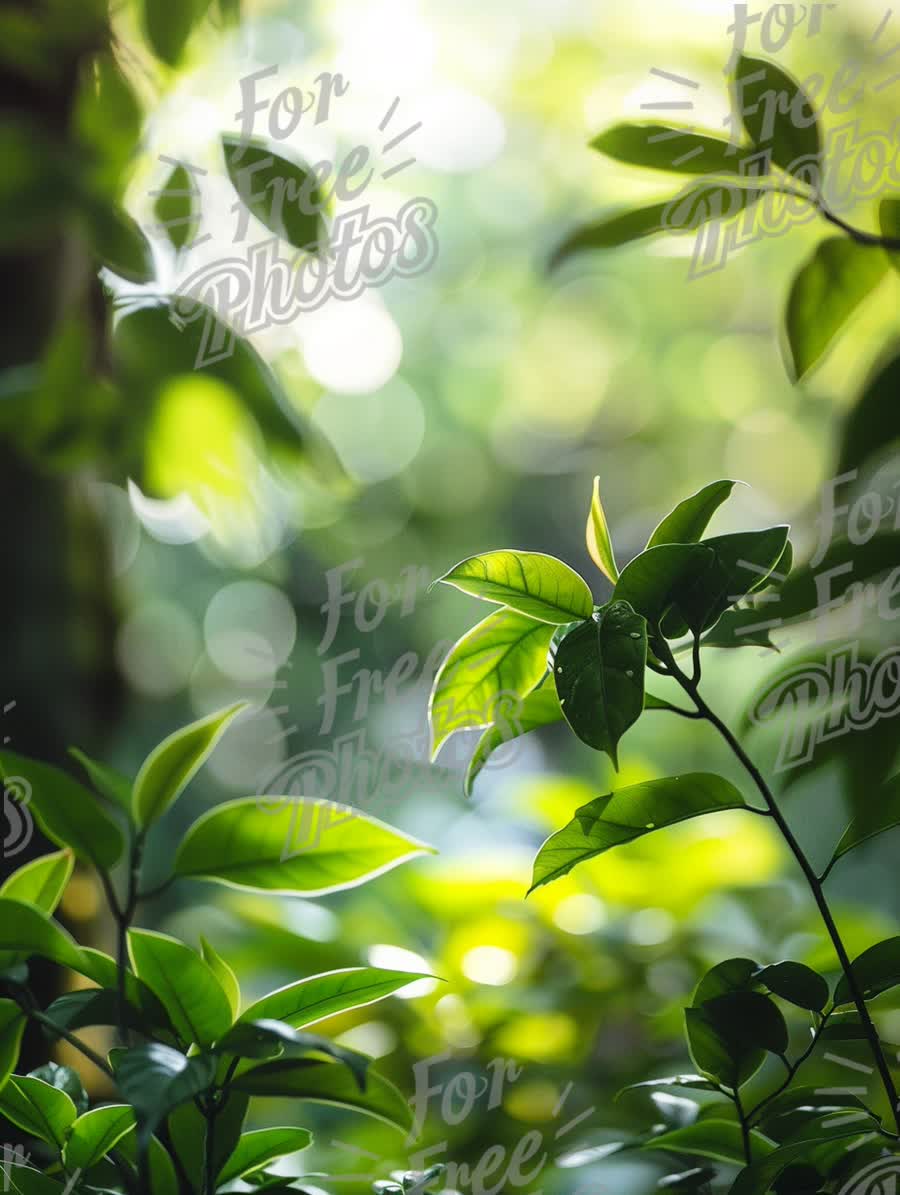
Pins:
<point x="792" y="1071"/>
<point x="745" y="1127"/>
<point x="209" y="1177"/>
<point x="123" y="918"/>
<point x="73" y="1041"/>
<point x="809" y="873"/>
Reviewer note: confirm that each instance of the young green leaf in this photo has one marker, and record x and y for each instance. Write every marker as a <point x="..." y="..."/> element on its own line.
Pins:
<point x="26" y="929"/>
<point x="310" y="1000"/>
<point x="875" y="971"/>
<point x="690" y="518"/>
<point x="177" y="207"/>
<point x="40" y="1109"/>
<point x="651" y="581"/>
<point x="184" y="983"/>
<point x="824" y="295"/>
<point x="598" y="669"/>
<point x="717" y="1139"/>
<point x="630" y="813"/>
<point x="106" y="780"/>
<point x="504" y="656"/>
<point x="224" y="974"/>
<point x="682" y="213"/>
<point x="257" y="1148"/>
<point x="303" y="845"/>
<point x="12" y="1026"/>
<point x="664" y="147"/>
<point x="328" y="1083"/>
<point x="66" y="811"/>
<point x="599" y="544"/>
<point x="170" y="767"/>
<point x="154" y="1079"/>
<point x="95" y="1133"/>
<point x="282" y="194"/>
<point x="540" y="708"/>
<point x="41" y="883"/>
<point x="538" y="586"/>
<point x="797" y="983"/>
<point x="778" y="116"/>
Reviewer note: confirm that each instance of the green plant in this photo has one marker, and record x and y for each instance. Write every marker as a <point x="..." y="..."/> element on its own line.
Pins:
<point x="189" y="1056"/>
<point x="549" y="654"/>
<point x="781" y="153"/>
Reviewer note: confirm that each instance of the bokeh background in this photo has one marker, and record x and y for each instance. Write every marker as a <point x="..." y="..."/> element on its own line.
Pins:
<point x="157" y="572"/>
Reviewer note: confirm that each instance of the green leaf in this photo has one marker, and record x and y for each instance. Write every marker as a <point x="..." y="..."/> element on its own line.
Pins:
<point x="682" y="213"/>
<point x="309" y="1000"/>
<point x="538" y="586"/>
<point x="881" y="815"/>
<point x="797" y="983"/>
<point x="12" y="1026"/>
<point x="225" y="975"/>
<point x="328" y="1083"/>
<point x="103" y="971"/>
<point x="875" y="971"/>
<point x="281" y="193"/>
<point x="65" y="810"/>
<point x="729" y="1035"/>
<point x="503" y="657"/>
<point x="177" y="207"/>
<point x="37" y="1107"/>
<point x="651" y="581"/>
<point x="731" y="975"/>
<point x="40" y="882"/>
<point x="170" y="767"/>
<point x="27" y="930"/>
<point x="824" y="295"/>
<point x="188" y="1128"/>
<point x="305" y="845"/>
<point x="742" y="628"/>
<point x="65" y="1079"/>
<point x="718" y="1139"/>
<point x="119" y="243"/>
<point x="630" y="813"/>
<point x="778" y="115"/>
<point x="185" y="984"/>
<point x="799" y="595"/>
<point x="599" y="545"/>
<point x="23" y="1180"/>
<point x="666" y="147"/>
<point x="690" y="518"/>
<point x="155" y="1079"/>
<point x="167" y="24"/>
<point x="106" y="780"/>
<point x="759" y="1178"/>
<point x="95" y="1133"/>
<point x="873" y="423"/>
<point x="540" y="708"/>
<point x="741" y="562"/>
<point x="693" y="1082"/>
<point x="263" y="1145"/>
<point x="598" y="669"/>
<point x="97" y="1006"/>
<point x="267" y="1038"/>
<point x="163" y="1180"/>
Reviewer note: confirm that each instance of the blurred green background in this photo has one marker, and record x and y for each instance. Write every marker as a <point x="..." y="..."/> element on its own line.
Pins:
<point x="166" y="552"/>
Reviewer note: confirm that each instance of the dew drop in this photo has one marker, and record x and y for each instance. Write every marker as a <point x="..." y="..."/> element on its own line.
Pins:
<point x="635" y="634"/>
